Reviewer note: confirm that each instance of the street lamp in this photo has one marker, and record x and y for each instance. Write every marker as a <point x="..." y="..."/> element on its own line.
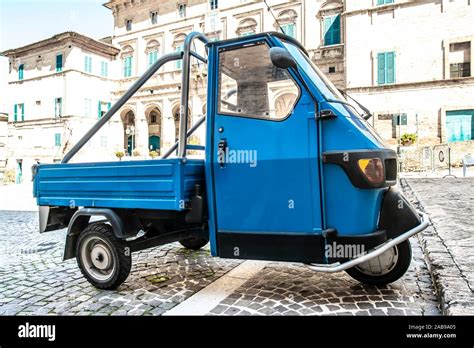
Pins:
<point x="131" y="132"/>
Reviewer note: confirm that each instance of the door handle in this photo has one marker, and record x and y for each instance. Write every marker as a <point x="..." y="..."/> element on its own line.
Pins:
<point x="221" y="152"/>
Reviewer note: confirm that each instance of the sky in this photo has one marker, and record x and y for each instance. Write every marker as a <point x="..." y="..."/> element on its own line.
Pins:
<point x="26" y="21"/>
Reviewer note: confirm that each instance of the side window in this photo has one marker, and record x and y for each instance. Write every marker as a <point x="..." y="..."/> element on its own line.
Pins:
<point x="251" y="86"/>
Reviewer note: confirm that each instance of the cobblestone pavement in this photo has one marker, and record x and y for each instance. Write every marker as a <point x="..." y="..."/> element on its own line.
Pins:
<point x="449" y="242"/>
<point x="35" y="280"/>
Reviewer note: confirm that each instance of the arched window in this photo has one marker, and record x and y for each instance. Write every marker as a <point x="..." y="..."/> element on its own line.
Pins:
<point x="152" y="49"/>
<point x="287" y="20"/>
<point x="127" y="61"/>
<point x="330" y="17"/>
<point x="247" y="27"/>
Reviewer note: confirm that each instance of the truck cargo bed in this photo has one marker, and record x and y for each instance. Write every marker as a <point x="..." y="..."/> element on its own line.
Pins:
<point x="161" y="184"/>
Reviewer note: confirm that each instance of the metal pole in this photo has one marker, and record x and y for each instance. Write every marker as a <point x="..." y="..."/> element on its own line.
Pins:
<point x="131" y="91"/>
<point x="191" y="131"/>
<point x="184" y="110"/>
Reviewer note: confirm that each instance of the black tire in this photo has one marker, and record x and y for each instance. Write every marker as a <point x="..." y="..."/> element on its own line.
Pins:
<point x="111" y="253"/>
<point x="397" y="269"/>
<point x="194" y="243"/>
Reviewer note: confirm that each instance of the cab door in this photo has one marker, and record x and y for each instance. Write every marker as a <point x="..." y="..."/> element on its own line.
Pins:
<point x="264" y="154"/>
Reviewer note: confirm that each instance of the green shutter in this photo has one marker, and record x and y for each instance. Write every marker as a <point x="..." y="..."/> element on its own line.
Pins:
<point x="332" y="30"/>
<point x="57" y="139"/>
<point x="22" y="112"/>
<point x="109" y="105"/>
<point x="390" y="67"/>
<point x="21" y="68"/>
<point x="381" y="68"/>
<point x="380" y="2"/>
<point x="99" y="108"/>
<point x="59" y="63"/>
<point x="15" y="113"/>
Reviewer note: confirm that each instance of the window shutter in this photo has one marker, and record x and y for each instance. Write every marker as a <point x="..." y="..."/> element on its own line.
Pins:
<point x="336" y="30"/>
<point x="20" y="71"/>
<point x="109" y="105"/>
<point x="381" y="68"/>
<point x="15" y="113"/>
<point x="22" y="112"/>
<point x="59" y="63"/>
<point x="390" y="67"/>
<point x="380" y="2"/>
<point x="99" y="109"/>
<point x="327" y="27"/>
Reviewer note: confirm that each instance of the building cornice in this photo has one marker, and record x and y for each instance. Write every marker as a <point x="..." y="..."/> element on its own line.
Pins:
<point x="459" y="82"/>
<point x="60" y="74"/>
<point x="59" y="39"/>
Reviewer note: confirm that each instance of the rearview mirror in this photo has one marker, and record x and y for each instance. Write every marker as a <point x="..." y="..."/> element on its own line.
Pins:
<point x="281" y="58"/>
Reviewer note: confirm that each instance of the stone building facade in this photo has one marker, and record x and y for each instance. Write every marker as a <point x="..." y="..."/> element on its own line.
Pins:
<point x="410" y="62"/>
<point x="407" y="61"/>
<point x="145" y="30"/>
<point x="57" y="89"/>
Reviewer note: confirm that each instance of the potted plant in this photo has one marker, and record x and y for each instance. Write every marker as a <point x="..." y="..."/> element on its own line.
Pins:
<point x="153" y="154"/>
<point x="119" y="155"/>
<point x="408" y="139"/>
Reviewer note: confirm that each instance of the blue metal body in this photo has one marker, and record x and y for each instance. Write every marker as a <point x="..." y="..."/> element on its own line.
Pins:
<point x="289" y="192"/>
<point x="148" y="184"/>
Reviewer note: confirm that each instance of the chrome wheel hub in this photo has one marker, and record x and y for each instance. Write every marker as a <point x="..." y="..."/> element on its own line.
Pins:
<point x="381" y="264"/>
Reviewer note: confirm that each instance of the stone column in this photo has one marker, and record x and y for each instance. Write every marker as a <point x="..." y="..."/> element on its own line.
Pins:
<point x="167" y="126"/>
<point x="141" y="130"/>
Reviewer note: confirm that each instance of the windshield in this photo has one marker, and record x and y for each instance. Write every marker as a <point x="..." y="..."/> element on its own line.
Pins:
<point x="326" y="87"/>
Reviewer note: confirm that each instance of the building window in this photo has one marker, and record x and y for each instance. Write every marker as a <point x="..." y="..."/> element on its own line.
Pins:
<point x="247" y="27"/>
<point x="154" y="17"/>
<point x="21" y="69"/>
<point x="128" y="24"/>
<point x="383" y="2"/>
<point x="127" y="66"/>
<point x="18" y="109"/>
<point x="104" y="69"/>
<point x="57" y="139"/>
<point x="459" y="125"/>
<point x="58" y="107"/>
<point x="386" y="68"/>
<point x="59" y="63"/>
<point x="88" y="64"/>
<point x="289" y="29"/>
<point x="213" y="4"/>
<point x="332" y="69"/>
<point x="460" y="59"/>
<point x="179" y="62"/>
<point x="332" y="30"/>
<point x="182" y="10"/>
<point x="102" y="109"/>
<point x="153" y="118"/>
<point x="152" y="57"/>
<point x="87" y="107"/>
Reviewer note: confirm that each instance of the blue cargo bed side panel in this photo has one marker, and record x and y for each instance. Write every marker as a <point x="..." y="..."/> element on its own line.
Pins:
<point x="146" y="184"/>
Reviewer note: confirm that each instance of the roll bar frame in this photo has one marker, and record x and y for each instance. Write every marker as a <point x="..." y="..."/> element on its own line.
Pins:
<point x="185" y="55"/>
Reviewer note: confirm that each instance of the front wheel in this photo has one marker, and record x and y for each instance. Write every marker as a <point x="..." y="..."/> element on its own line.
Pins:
<point x="385" y="268"/>
<point x="104" y="260"/>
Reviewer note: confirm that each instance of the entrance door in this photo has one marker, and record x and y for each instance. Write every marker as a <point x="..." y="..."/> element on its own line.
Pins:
<point x="154" y="143"/>
<point x="265" y="167"/>
<point x="130" y="144"/>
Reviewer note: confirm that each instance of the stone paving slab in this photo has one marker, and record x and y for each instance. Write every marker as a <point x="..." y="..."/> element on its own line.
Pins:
<point x="293" y="289"/>
<point x="449" y="242"/>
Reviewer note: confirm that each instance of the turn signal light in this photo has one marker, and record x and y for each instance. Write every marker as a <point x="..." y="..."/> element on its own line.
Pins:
<point x="373" y="169"/>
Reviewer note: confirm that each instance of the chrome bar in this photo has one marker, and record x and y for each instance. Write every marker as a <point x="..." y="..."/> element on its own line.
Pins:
<point x="337" y="267"/>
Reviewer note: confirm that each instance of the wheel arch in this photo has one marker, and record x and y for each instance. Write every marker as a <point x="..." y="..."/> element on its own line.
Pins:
<point x="81" y="219"/>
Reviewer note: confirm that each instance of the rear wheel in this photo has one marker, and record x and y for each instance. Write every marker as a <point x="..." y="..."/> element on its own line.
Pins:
<point x="194" y="243"/>
<point x="104" y="259"/>
<point x="385" y="268"/>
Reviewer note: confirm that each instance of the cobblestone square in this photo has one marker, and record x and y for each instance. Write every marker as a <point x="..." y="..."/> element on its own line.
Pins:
<point x="35" y="281"/>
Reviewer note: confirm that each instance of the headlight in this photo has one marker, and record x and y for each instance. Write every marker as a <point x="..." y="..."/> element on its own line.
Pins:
<point x="372" y="169"/>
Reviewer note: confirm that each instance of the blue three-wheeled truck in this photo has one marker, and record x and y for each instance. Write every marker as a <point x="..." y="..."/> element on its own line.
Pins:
<point x="291" y="172"/>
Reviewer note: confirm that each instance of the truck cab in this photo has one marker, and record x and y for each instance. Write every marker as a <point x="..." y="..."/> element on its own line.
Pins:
<point x="290" y="172"/>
